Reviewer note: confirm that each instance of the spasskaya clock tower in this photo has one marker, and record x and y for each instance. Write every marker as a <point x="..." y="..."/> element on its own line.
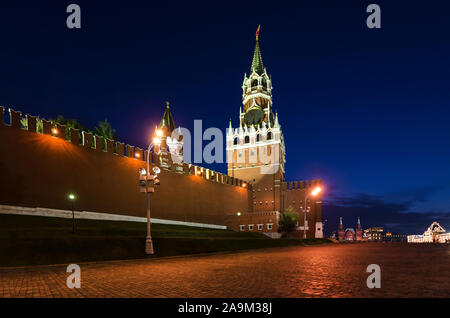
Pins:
<point x="255" y="150"/>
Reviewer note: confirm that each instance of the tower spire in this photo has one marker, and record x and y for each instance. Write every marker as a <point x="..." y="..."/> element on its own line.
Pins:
<point x="257" y="63"/>
<point x="276" y="124"/>
<point x="167" y="120"/>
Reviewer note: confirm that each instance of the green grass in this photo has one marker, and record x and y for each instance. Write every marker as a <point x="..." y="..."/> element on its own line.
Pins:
<point x="35" y="240"/>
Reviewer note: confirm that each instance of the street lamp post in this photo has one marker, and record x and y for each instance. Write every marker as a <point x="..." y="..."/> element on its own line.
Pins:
<point x="239" y="220"/>
<point x="148" y="239"/>
<point x="314" y="192"/>
<point x="72" y="199"/>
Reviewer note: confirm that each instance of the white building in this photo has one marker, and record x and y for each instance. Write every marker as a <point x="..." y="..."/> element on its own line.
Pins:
<point x="434" y="234"/>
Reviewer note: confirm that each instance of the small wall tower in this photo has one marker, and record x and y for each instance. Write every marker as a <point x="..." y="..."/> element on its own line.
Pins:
<point x="171" y="149"/>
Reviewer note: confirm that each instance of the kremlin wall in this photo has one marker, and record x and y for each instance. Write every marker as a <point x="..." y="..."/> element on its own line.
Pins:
<point x="40" y="170"/>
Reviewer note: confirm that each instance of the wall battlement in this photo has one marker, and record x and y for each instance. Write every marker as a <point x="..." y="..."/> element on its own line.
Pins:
<point x="300" y="185"/>
<point x="92" y="142"/>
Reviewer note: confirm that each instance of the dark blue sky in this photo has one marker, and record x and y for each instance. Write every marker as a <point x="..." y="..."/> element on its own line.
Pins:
<point x="365" y="110"/>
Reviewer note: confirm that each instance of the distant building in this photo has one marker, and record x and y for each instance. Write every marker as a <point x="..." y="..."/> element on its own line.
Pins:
<point x="393" y="237"/>
<point x="349" y="234"/>
<point x="374" y="234"/>
<point x="434" y="234"/>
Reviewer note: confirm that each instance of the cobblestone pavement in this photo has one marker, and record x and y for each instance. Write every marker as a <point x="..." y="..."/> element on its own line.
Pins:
<point x="335" y="270"/>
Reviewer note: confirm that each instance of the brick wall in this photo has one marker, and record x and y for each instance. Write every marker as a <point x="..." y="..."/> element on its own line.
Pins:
<point x="40" y="170"/>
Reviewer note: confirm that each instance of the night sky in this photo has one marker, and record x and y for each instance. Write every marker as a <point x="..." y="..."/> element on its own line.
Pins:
<point x="366" y="110"/>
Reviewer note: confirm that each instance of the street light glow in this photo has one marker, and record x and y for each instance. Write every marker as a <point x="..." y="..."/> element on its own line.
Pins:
<point x="316" y="191"/>
<point x="72" y="196"/>
<point x="55" y="131"/>
<point x="159" y="133"/>
<point x="238" y="214"/>
<point x="156" y="141"/>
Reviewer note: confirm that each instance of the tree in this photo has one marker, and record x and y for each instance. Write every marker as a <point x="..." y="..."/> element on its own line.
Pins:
<point x="288" y="220"/>
<point x="39" y="127"/>
<point x="105" y="130"/>
<point x="70" y="123"/>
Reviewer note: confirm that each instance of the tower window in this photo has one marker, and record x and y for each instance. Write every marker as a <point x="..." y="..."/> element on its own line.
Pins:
<point x="269" y="136"/>
<point x="236" y="141"/>
<point x="258" y="137"/>
<point x="246" y="139"/>
<point x="254" y="83"/>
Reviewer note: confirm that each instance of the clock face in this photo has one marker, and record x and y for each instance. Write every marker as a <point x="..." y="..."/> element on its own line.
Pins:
<point x="254" y="116"/>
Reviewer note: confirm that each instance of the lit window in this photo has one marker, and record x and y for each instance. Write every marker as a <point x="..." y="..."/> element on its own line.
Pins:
<point x="242" y="227"/>
<point x="260" y="227"/>
<point x="250" y="227"/>
<point x="269" y="226"/>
